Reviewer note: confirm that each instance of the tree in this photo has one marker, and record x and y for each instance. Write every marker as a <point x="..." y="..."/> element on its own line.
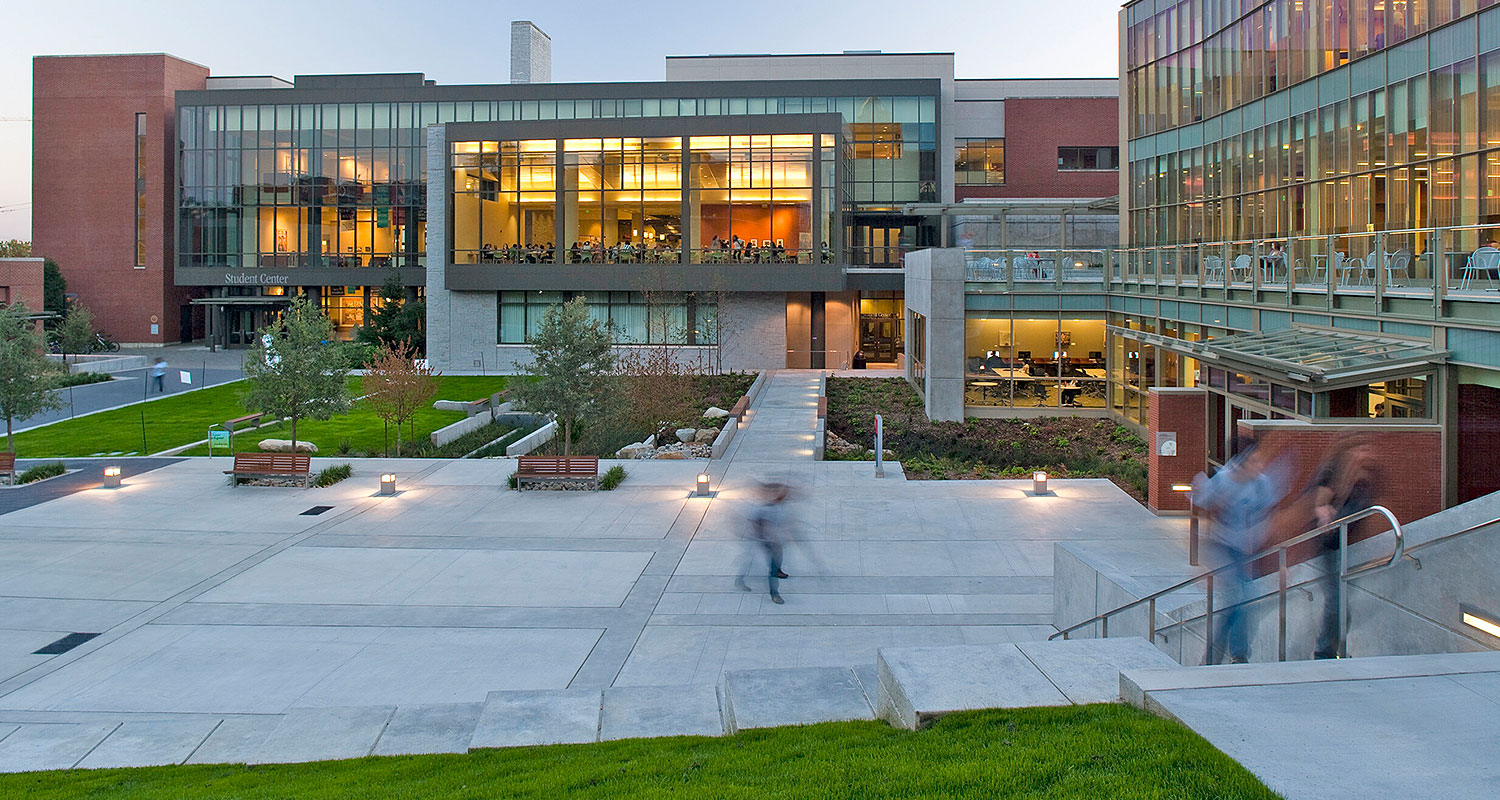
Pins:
<point x="396" y="387"/>
<point x="76" y="332"/>
<point x="27" y="376"/>
<point x="572" y="369"/>
<point x="15" y="248"/>
<point x="396" y="319"/>
<point x="54" y="288"/>
<point x="292" y="372"/>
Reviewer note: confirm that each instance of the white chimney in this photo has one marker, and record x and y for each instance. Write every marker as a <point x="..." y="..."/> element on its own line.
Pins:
<point x="530" y="53"/>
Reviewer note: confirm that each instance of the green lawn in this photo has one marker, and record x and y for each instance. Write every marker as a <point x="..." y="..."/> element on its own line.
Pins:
<point x="1103" y="752"/>
<point x="179" y="419"/>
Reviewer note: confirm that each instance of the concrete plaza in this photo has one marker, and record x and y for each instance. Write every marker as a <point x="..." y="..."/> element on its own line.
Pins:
<point x="236" y="606"/>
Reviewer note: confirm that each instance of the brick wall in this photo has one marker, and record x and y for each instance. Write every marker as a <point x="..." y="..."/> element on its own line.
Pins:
<point x="1034" y="128"/>
<point x="83" y="184"/>
<point x="1409" y="478"/>
<point x="21" y="279"/>
<point x="1478" y="441"/>
<point x="1184" y="412"/>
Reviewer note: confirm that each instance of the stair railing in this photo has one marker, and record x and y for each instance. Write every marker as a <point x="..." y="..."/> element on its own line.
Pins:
<point x="1279" y="552"/>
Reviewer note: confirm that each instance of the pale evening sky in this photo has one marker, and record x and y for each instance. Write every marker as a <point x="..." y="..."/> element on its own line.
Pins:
<point x="454" y="41"/>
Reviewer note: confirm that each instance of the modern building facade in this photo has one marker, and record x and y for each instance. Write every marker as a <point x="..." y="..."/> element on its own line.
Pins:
<point x="1309" y="213"/>
<point x="752" y="211"/>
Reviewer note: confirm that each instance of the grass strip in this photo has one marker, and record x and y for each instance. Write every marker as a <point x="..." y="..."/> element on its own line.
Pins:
<point x="1097" y="751"/>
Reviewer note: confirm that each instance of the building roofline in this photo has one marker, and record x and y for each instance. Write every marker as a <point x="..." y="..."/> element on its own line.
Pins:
<point x="812" y="55"/>
<point x="966" y="80"/>
<point x="118" y="55"/>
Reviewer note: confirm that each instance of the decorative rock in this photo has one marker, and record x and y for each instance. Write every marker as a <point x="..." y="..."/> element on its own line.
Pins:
<point x="714" y="412"/>
<point x="285" y="446"/>
<point x="686" y="434"/>
<point x="706" y="435"/>
<point x="672" y="455"/>
<point x="637" y="450"/>
<point x="450" y="405"/>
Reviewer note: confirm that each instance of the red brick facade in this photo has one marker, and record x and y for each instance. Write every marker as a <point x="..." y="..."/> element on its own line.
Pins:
<point x="1478" y="441"/>
<point x="1183" y="412"/>
<point x="1409" y="481"/>
<point x="83" y="184"/>
<point x="1034" y="128"/>
<point x="21" y="282"/>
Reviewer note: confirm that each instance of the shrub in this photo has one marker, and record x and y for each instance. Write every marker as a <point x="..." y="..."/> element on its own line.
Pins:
<point x="51" y="469"/>
<point x="332" y="475"/>
<point x="512" y="480"/>
<point x="81" y="379"/>
<point x="345" y="446"/>
<point x="612" y="477"/>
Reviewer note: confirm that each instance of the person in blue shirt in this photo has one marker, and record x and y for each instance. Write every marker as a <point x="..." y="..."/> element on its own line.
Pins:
<point x="159" y="374"/>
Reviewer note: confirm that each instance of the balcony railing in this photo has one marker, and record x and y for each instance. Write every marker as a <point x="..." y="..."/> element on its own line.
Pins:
<point x="1457" y="262"/>
<point x="1033" y="268"/>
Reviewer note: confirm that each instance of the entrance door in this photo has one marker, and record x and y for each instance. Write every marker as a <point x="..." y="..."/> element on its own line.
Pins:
<point x="879" y="338"/>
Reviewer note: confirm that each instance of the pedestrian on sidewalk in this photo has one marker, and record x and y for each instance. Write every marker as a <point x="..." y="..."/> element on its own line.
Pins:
<point x="159" y="373"/>
<point x="766" y="536"/>
<point x="1344" y="484"/>
<point x="1238" y="501"/>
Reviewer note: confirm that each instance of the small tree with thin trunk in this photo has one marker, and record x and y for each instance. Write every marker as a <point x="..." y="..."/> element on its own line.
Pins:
<point x="26" y="374"/>
<point x="572" y="369"/>
<point x="396" y="387"/>
<point x="292" y="371"/>
<point x="76" y="332"/>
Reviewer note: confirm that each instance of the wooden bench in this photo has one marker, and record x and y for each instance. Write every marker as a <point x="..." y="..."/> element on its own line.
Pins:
<point x="822" y="408"/>
<point x="532" y="469"/>
<point x="249" y="421"/>
<point x="473" y="407"/>
<point x="8" y="465"/>
<point x="270" y="465"/>
<point x="740" y="407"/>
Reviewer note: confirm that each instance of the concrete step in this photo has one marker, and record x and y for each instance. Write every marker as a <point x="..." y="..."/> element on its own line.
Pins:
<point x="1388" y="726"/>
<point x="541" y="716"/>
<point x="916" y="685"/>
<point x="766" y="698"/>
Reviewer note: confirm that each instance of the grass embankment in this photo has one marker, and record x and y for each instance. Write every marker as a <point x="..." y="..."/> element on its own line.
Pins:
<point x="180" y="419"/>
<point x="1066" y="447"/>
<point x="1099" y="751"/>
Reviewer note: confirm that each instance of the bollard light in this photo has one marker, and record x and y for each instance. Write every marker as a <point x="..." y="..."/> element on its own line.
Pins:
<point x="388" y="483"/>
<point x="1039" y="482"/>
<point x="702" y="485"/>
<point x="111" y="477"/>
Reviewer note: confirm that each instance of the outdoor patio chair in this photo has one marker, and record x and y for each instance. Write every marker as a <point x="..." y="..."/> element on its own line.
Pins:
<point x="1213" y="268"/>
<point x="1241" y="267"/>
<point x="1484" y="261"/>
<point x="1396" y="266"/>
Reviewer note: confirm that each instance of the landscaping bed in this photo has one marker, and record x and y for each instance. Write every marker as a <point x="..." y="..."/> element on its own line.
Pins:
<point x="659" y="405"/>
<point x="180" y="419"/>
<point x="1066" y="447"/>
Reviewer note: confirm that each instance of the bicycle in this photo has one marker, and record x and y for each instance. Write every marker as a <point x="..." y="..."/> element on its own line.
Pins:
<point x="104" y="344"/>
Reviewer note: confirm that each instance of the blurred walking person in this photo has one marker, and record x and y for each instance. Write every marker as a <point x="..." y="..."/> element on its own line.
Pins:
<point x="159" y="374"/>
<point x="767" y="534"/>
<point x="1238" y="500"/>
<point x="1344" y="484"/>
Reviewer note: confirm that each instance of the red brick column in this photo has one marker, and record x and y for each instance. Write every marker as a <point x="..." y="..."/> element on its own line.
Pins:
<point x="1183" y="412"/>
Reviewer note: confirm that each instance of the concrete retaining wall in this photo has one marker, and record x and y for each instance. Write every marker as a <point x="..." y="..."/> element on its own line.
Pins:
<point x="726" y="435"/>
<point x="755" y="387"/>
<point x="99" y="363"/>
<point x="448" y="433"/>
<point x="533" y="440"/>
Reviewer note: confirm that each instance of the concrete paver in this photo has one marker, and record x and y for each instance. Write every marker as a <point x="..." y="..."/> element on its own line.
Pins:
<point x="316" y="734"/>
<point x="919" y="684"/>
<point x="436" y="728"/>
<point x="236" y="740"/>
<point x="765" y="698"/>
<point x="631" y="712"/>
<point x="50" y="746"/>
<point x="138" y="743"/>
<point x="557" y="716"/>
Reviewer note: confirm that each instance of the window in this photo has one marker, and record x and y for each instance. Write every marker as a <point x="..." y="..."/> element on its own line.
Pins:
<point x="979" y="162"/>
<point x="1076" y="158"/>
<point x="140" y="191"/>
<point x="634" y="317"/>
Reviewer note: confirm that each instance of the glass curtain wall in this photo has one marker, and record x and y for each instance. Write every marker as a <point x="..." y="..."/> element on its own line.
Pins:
<point x="1025" y="360"/>
<point x="749" y="200"/>
<point x="276" y="186"/>
<point x="649" y="318"/>
<point x="1393" y="134"/>
<point x="344" y="184"/>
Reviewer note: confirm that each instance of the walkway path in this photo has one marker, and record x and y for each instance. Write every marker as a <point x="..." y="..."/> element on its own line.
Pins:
<point x="782" y="421"/>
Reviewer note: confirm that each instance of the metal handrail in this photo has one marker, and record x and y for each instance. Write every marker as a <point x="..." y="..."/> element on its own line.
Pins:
<point x="1279" y="551"/>
<point x="1363" y="569"/>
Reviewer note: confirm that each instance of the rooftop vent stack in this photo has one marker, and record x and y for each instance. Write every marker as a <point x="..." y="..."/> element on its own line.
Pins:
<point x="530" y="53"/>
